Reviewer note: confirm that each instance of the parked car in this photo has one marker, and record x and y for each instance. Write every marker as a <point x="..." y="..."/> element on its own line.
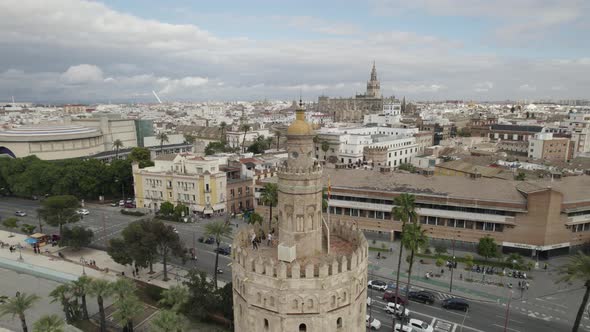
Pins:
<point x="402" y="287"/>
<point x="223" y="250"/>
<point x="115" y="204"/>
<point x="397" y="309"/>
<point x="121" y="203"/>
<point x="389" y="296"/>
<point x="420" y="326"/>
<point x="422" y="296"/>
<point x="83" y="212"/>
<point x="374" y="324"/>
<point x="130" y="205"/>
<point x="455" y="303"/>
<point x="20" y="213"/>
<point x="377" y="284"/>
<point x="406" y="328"/>
<point x="208" y="240"/>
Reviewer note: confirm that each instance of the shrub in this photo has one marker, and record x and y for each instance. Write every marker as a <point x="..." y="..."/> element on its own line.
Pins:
<point x="383" y="246"/>
<point x="132" y="213"/>
<point x="440" y="249"/>
<point x="440" y="262"/>
<point x="428" y="251"/>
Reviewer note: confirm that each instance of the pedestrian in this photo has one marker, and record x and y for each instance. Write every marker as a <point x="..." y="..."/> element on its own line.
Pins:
<point x="253" y="241"/>
<point x="519" y="285"/>
<point x="527" y="285"/>
<point x="269" y="242"/>
<point x="133" y="272"/>
<point x="378" y="254"/>
<point x="545" y="266"/>
<point x="136" y="269"/>
<point x="460" y="276"/>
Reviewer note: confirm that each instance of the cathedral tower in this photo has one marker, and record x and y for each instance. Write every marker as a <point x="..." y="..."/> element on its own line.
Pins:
<point x="373" y="85"/>
<point x="314" y="278"/>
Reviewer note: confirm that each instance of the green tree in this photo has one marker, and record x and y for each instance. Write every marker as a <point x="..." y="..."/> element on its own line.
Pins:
<point x="225" y="301"/>
<point x="222" y="126"/>
<point x="201" y="291"/>
<point x="413" y="239"/>
<point x="520" y="177"/>
<point x="81" y="287"/>
<point x="117" y="144"/>
<point x="407" y="167"/>
<point x="245" y="128"/>
<point x="270" y="197"/>
<point x="76" y="237"/>
<point x="325" y="146"/>
<point x="577" y="268"/>
<point x="101" y="289"/>
<point x="189" y="138"/>
<point x="440" y="249"/>
<point x="180" y="211"/>
<point x="168" y="321"/>
<point x="218" y="230"/>
<point x="439" y="262"/>
<point x="487" y="247"/>
<point x="136" y="245"/>
<point x="17" y="306"/>
<point x="65" y="294"/>
<point x="49" y="323"/>
<point x="59" y="210"/>
<point x="162" y="137"/>
<point x="28" y="229"/>
<point x="166" y="242"/>
<point x="166" y="208"/>
<point x="215" y="147"/>
<point x="175" y="298"/>
<point x="255" y="219"/>
<point x="142" y="156"/>
<point x="404" y="211"/>
<point x="10" y="223"/>
<point x="278" y="138"/>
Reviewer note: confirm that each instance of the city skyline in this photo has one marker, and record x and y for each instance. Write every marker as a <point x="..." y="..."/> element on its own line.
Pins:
<point x="80" y="51"/>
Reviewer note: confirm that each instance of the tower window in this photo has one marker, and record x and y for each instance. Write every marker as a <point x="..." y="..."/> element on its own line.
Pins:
<point x="302" y="328"/>
<point x="339" y="323"/>
<point x="266" y="324"/>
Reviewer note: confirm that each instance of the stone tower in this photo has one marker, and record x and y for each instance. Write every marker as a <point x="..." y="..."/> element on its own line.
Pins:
<point x="314" y="278"/>
<point x="373" y="85"/>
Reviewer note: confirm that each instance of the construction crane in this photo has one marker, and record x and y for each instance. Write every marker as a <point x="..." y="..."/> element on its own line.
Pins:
<point x="156" y="95"/>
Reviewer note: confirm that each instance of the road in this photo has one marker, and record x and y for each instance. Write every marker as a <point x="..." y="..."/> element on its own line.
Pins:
<point x="107" y="222"/>
<point x="481" y="317"/>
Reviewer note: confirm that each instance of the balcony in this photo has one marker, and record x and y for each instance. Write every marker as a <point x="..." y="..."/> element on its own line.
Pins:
<point x="578" y="219"/>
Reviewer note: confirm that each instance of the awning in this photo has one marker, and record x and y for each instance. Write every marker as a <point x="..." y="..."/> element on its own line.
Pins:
<point x="30" y="240"/>
<point x="208" y="211"/>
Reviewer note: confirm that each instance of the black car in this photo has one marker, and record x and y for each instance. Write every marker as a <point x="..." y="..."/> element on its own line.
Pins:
<point x="455" y="303"/>
<point x="208" y="240"/>
<point x="223" y="250"/>
<point x="421" y="296"/>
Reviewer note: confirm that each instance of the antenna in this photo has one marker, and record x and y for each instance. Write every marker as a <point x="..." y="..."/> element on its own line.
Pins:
<point x="12" y="100"/>
<point x="154" y="92"/>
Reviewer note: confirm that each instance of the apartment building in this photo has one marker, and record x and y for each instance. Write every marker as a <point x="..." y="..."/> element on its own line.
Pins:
<point x="546" y="147"/>
<point x="534" y="217"/>
<point x="194" y="181"/>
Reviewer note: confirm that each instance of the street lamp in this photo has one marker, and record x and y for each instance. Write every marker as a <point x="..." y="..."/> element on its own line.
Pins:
<point x="83" y="265"/>
<point x="452" y="267"/>
<point x="20" y="254"/>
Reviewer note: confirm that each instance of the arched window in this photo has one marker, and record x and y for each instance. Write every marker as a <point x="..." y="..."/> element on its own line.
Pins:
<point x="339" y="323"/>
<point x="266" y="324"/>
<point x="302" y="327"/>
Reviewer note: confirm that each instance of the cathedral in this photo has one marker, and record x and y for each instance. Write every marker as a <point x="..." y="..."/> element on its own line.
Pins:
<point x="313" y="275"/>
<point x="354" y="109"/>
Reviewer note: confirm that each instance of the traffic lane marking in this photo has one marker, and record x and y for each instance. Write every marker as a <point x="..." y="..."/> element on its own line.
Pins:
<point x="510" y="319"/>
<point x="507" y="328"/>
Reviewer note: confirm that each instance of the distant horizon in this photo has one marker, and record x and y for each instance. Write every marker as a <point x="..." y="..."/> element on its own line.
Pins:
<point x="90" y="51"/>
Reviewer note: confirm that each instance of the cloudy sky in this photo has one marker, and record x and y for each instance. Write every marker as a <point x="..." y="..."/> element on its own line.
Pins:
<point x="85" y="51"/>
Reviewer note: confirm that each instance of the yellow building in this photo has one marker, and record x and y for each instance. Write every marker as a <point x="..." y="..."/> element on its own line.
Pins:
<point x="189" y="179"/>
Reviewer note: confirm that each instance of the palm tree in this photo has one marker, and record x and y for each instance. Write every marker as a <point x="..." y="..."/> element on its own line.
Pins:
<point x="255" y="218"/>
<point x="126" y="309"/>
<point x="578" y="268"/>
<point x="117" y="144"/>
<point x="16" y="306"/>
<point x="217" y="230"/>
<point x="162" y="137"/>
<point x="244" y="127"/>
<point x="403" y="211"/>
<point x="49" y="323"/>
<point x="222" y="126"/>
<point x="168" y="321"/>
<point x="270" y="197"/>
<point x="413" y="238"/>
<point x="278" y="137"/>
<point x="189" y="138"/>
<point x="101" y="289"/>
<point x="123" y="288"/>
<point x="66" y="295"/>
<point x="81" y="288"/>
<point x="175" y="297"/>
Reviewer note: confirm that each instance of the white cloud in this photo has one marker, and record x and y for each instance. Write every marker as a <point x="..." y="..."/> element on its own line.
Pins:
<point x="180" y="85"/>
<point x="527" y="87"/>
<point x="419" y="88"/>
<point x="82" y="74"/>
<point x="315" y="24"/>
<point x="483" y="86"/>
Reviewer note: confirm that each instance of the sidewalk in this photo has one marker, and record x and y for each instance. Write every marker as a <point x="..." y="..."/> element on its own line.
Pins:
<point x="49" y="265"/>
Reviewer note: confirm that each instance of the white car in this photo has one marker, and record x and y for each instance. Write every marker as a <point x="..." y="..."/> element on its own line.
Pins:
<point x="369" y="301"/>
<point x="406" y="328"/>
<point x="377" y="284"/>
<point x="83" y="212"/>
<point x="420" y="326"/>
<point x="374" y="325"/>
<point x="397" y="309"/>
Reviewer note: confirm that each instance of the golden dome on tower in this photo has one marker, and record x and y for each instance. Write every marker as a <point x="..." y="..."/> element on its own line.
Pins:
<point x="300" y="126"/>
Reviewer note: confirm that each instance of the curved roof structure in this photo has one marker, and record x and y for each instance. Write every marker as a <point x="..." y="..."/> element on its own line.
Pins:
<point x="48" y="133"/>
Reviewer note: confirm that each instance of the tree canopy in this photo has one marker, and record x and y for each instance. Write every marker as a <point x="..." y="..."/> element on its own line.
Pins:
<point x="59" y="210"/>
<point x="76" y="237"/>
<point x="487" y="247"/>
